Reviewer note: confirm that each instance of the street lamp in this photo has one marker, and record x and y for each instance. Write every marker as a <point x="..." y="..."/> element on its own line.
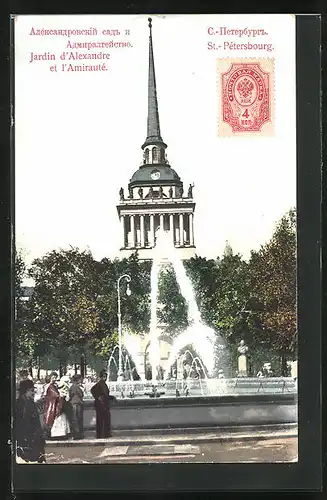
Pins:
<point x="128" y="292"/>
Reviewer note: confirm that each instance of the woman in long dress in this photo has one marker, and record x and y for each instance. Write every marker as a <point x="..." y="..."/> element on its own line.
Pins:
<point x="29" y="433"/>
<point x="55" y="419"/>
<point x="76" y="395"/>
<point x="65" y="415"/>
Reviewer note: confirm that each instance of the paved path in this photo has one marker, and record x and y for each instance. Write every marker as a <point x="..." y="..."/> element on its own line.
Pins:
<point x="263" y="446"/>
<point x="268" y="450"/>
<point x="172" y="436"/>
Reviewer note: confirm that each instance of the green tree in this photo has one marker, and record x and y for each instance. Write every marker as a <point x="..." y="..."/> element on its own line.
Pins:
<point x="74" y="305"/>
<point x="221" y="290"/>
<point x="272" y="280"/>
<point x="63" y="312"/>
<point x="225" y="300"/>
<point x="136" y="307"/>
<point x="203" y="275"/>
<point x="172" y="305"/>
<point x="231" y="295"/>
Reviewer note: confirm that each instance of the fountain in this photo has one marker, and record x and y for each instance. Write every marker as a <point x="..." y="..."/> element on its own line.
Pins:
<point x="200" y="336"/>
<point x="165" y="402"/>
<point x="203" y="340"/>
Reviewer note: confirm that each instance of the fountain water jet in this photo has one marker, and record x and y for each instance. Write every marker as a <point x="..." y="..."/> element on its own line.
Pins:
<point x="198" y="365"/>
<point x="202" y="338"/>
<point x="132" y="345"/>
<point x="198" y="334"/>
<point x="112" y="359"/>
<point x="126" y="359"/>
<point x="154" y="349"/>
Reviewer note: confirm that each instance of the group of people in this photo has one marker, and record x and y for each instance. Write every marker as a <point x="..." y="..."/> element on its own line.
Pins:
<point x="62" y="405"/>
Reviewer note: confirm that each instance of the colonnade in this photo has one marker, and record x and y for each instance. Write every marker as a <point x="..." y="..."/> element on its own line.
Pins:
<point x="138" y="230"/>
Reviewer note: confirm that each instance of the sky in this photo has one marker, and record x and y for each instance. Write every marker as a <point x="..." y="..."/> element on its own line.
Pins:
<point x="78" y="135"/>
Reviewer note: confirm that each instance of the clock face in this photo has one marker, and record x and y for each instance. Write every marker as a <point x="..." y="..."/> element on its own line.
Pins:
<point x="155" y="175"/>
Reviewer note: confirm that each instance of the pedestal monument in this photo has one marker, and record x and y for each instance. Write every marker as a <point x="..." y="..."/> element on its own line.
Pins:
<point x="242" y="359"/>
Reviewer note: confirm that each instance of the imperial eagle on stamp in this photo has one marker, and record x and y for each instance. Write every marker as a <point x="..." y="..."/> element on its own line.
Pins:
<point x="246" y="97"/>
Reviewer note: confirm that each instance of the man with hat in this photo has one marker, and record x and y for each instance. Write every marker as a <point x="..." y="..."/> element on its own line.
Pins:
<point x="29" y="433"/>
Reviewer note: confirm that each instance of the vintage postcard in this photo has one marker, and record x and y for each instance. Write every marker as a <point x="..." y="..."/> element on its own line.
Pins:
<point x="156" y="239"/>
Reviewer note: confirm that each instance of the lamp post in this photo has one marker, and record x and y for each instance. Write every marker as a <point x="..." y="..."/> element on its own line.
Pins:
<point x="128" y="292"/>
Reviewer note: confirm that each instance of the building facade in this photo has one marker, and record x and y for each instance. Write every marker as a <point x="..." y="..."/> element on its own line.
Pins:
<point x="155" y="197"/>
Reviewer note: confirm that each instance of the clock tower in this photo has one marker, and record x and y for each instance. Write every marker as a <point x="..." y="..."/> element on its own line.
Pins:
<point x="155" y="197"/>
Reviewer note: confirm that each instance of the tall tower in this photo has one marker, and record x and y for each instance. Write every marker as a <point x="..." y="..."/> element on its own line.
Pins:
<point x="156" y="197"/>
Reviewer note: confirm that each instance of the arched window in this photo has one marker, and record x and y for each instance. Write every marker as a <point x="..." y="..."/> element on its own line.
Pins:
<point x="155" y="155"/>
<point x="146" y="156"/>
<point x="162" y="155"/>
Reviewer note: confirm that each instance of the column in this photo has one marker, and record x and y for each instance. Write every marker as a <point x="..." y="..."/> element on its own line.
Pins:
<point x="171" y="226"/>
<point x="190" y="222"/>
<point x="122" y="221"/>
<point x="161" y="222"/>
<point x="193" y="229"/>
<point x="152" y="230"/>
<point x="133" y="231"/>
<point x="181" y="229"/>
<point x="142" y="231"/>
<point x="176" y="230"/>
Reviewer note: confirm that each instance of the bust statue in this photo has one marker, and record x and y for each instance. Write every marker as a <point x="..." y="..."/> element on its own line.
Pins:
<point x="121" y="194"/>
<point x="242" y="348"/>
<point x="242" y="359"/>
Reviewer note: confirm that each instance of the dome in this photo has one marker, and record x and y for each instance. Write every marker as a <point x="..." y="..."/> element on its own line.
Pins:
<point x="155" y="174"/>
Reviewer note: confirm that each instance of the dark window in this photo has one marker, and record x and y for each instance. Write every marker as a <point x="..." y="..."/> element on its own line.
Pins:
<point x="155" y="155"/>
<point x="162" y="155"/>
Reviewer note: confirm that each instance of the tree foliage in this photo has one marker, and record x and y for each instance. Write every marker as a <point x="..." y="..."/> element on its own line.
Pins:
<point x="73" y="309"/>
<point x="272" y="281"/>
<point x="172" y="305"/>
<point x="232" y="293"/>
<point x="20" y="271"/>
<point x="203" y="275"/>
<point x="63" y="309"/>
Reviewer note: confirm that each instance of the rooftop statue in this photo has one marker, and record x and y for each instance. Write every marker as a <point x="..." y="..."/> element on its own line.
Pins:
<point x="190" y="191"/>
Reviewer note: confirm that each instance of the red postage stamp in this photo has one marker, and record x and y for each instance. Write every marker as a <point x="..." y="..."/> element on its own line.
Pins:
<point x="246" y="101"/>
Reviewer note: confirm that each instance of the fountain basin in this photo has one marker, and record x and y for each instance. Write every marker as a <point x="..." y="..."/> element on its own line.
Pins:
<point x="208" y="387"/>
<point x="207" y="411"/>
